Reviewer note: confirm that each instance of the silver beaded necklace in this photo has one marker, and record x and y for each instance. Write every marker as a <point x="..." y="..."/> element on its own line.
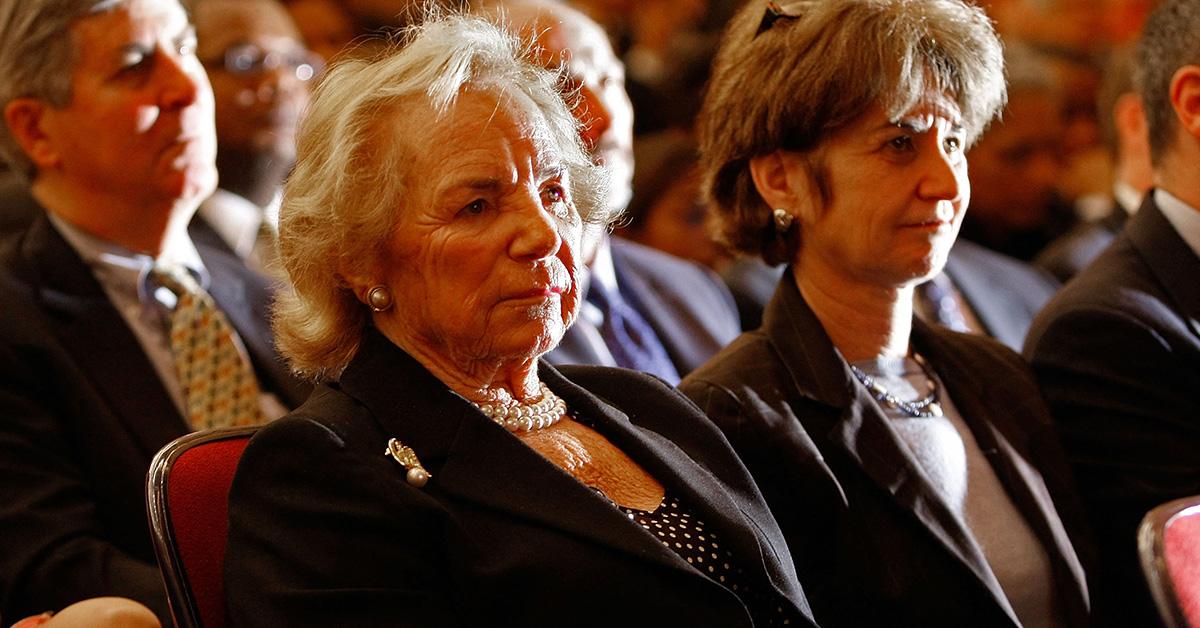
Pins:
<point x="927" y="407"/>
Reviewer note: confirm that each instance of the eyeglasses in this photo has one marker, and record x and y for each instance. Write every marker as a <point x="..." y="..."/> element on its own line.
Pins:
<point x="249" y="59"/>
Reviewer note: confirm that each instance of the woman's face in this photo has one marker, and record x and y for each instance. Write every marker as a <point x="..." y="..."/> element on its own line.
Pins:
<point x="897" y="193"/>
<point x="482" y="264"/>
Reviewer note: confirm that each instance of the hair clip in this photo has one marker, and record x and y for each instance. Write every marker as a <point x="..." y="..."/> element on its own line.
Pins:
<point x="772" y="14"/>
<point x="417" y="476"/>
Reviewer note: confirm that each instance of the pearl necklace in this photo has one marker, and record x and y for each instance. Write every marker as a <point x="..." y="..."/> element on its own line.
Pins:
<point x="927" y="407"/>
<point x="519" y="416"/>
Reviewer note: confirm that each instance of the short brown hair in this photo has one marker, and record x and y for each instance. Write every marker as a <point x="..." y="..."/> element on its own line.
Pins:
<point x="1168" y="43"/>
<point x="791" y="78"/>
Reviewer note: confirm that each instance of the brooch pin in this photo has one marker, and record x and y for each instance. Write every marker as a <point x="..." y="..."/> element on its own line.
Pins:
<point x="417" y="475"/>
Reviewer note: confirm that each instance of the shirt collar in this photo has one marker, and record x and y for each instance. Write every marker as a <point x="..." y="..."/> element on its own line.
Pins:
<point x="235" y="219"/>
<point x="1183" y="217"/>
<point x="125" y="270"/>
<point x="601" y="269"/>
<point x="1126" y="197"/>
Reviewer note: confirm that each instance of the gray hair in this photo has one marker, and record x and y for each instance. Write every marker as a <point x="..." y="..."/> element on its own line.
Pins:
<point x="340" y="204"/>
<point x="1168" y="43"/>
<point x="37" y="57"/>
<point x="790" y="80"/>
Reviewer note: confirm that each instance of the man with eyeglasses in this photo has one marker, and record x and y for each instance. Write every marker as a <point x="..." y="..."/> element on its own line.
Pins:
<point x="118" y="332"/>
<point x="259" y="69"/>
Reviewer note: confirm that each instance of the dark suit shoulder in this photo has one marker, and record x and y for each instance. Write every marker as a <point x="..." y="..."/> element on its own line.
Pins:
<point x="643" y="257"/>
<point x="673" y="274"/>
<point x="1118" y="286"/>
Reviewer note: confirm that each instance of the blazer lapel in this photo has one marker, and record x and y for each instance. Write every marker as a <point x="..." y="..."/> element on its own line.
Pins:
<point x="455" y="441"/>
<point x="93" y="333"/>
<point x="696" y="485"/>
<point x="1006" y="444"/>
<point x="856" y="427"/>
<point x="1171" y="260"/>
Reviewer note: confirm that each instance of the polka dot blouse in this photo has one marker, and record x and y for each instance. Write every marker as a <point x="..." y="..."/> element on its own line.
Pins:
<point x="686" y="535"/>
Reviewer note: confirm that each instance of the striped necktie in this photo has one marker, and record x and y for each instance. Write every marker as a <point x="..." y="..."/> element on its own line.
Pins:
<point x="219" y="387"/>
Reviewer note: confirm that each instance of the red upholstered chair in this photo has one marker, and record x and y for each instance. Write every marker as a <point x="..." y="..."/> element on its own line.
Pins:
<point x="187" y="492"/>
<point x="1169" y="546"/>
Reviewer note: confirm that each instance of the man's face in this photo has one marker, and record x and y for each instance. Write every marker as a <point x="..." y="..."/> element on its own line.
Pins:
<point x="603" y="107"/>
<point x="1017" y="163"/>
<point x="258" y="68"/>
<point x="139" y="126"/>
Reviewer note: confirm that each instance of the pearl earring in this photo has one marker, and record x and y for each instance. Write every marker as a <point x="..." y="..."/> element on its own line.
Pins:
<point x="379" y="298"/>
<point x="783" y="220"/>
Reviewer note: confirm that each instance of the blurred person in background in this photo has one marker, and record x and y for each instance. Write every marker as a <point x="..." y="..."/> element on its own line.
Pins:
<point x="667" y="211"/>
<point x="325" y="25"/>
<point x="260" y="72"/>
<point x="645" y="309"/>
<point x="1131" y="174"/>
<point x="1017" y="164"/>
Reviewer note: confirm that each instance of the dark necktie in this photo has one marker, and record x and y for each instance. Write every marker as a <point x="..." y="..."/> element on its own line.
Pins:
<point x="630" y="339"/>
<point x="940" y="305"/>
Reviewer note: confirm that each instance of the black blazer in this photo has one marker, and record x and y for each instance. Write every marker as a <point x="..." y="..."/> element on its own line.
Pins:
<point x="1117" y="354"/>
<point x="686" y="304"/>
<point x="324" y="529"/>
<point x="82" y="412"/>
<point x="873" y="544"/>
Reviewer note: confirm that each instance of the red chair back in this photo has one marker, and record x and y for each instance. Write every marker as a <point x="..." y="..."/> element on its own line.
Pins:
<point x="187" y="498"/>
<point x="1169" y="547"/>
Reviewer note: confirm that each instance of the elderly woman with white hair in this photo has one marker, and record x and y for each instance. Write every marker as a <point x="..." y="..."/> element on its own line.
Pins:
<point x="914" y="470"/>
<point x="442" y="475"/>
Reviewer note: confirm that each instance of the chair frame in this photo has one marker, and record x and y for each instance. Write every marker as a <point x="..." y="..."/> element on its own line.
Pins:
<point x="1151" y="543"/>
<point x="179" y="592"/>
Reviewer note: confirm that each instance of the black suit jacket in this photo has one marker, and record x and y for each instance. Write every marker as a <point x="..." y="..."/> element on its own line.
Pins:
<point x="1117" y="354"/>
<point x="82" y="412"/>
<point x="874" y="545"/>
<point x="688" y="306"/>
<point x="324" y="529"/>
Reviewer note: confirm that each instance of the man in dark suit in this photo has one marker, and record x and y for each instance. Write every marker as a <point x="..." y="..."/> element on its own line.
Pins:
<point x="645" y="309"/>
<point x="1117" y="352"/>
<point x="1124" y="125"/>
<point x="109" y="116"/>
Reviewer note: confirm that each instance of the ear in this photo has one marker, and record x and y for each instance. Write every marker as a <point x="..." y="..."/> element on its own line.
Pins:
<point x="1185" y="98"/>
<point x="771" y="179"/>
<point x="1129" y="117"/>
<point x="359" y="279"/>
<point x="26" y="119"/>
<point x="783" y="182"/>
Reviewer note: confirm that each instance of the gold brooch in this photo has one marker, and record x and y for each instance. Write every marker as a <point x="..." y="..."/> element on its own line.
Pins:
<point x="417" y="475"/>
